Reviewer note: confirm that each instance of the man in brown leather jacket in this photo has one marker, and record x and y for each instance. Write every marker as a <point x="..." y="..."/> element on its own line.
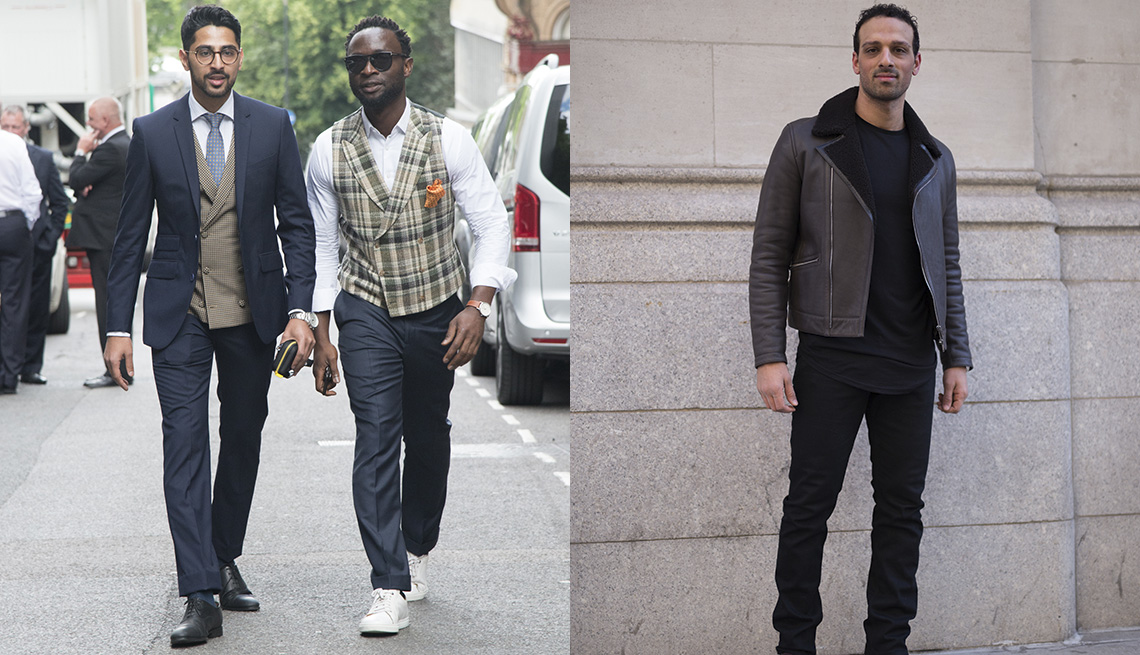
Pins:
<point x="856" y="246"/>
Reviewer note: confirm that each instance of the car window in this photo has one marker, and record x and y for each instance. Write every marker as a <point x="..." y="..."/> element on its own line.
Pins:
<point x="555" y="156"/>
<point x="506" y="168"/>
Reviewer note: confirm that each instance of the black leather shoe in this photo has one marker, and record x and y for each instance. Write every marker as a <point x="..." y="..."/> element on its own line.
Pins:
<point x="202" y="621"/>
<point x="33" y="378"/>
<point x="235" y="595"/>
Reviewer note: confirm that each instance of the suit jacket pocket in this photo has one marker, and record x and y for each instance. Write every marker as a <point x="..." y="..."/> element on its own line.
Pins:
<point x="270" y="261"/>
<point x="162" y="270"/>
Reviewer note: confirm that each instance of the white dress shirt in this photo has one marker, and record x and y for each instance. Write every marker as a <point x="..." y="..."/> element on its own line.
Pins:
<point x="202" y="126"/>
<point x="19" y="188"/>
<point x="471" y="182"/>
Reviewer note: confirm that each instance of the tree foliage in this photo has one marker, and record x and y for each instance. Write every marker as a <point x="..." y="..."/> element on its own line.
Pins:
<point x="316" y="82"/>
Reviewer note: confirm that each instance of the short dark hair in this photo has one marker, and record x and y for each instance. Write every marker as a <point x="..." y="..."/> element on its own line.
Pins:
<point x="203" y="15"/>
<point x="890" y="11"/>
<point x="383" y="23"/>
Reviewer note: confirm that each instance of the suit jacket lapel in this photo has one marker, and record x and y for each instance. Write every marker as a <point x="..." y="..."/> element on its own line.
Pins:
<point x="184" y="138"/>
<point x="242" y="128"/>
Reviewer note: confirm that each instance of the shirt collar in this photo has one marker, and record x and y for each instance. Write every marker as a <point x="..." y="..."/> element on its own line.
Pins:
<point x="401" y="125"/>
<point x="196" y="108"/>
<point x="112" y="133"/>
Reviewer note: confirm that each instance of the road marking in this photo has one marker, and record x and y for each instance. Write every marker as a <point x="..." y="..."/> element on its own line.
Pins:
<point x="526" y="435"/>
<point x="564" y="476"/>
<point x="510" y="419"/>
<point x="493" y="450"/>
<point x="473" y="382"/>
<point x="545" y="458"/>
<point x="462" y="372"/>
<point x="495" y="405"/>
<point x="336" y="443"/>
<point x="483" y="393"/>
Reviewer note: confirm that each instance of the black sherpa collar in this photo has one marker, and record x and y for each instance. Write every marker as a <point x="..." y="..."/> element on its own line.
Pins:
<point x="837" y="119"/>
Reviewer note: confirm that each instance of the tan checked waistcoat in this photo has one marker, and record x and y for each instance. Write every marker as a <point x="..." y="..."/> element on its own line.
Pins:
<point x="220" y="299"/>
<point x="401" y="255"/>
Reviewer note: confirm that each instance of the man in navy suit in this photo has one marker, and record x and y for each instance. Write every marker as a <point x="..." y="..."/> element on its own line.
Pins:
<point x="96" y="176"/>
<point x="217" y="164"/>
<point x="45" y="235"/>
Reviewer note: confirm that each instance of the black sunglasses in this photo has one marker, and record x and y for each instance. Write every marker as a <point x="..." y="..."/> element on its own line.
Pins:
<point x="381" y="61"/>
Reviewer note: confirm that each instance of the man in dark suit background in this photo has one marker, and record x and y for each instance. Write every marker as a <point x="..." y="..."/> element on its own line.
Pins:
<point x="97" y="178"/>
<point x="45" y="234"/>
<point x="217" y="164"/>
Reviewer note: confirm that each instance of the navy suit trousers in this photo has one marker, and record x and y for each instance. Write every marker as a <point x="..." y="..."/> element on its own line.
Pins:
<point x="206" y="532"/>
<point x="398" y="386"/>
<point x="15" y="283"/>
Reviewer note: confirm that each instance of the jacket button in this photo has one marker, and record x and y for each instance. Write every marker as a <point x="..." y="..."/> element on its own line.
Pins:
<point x="241" y="303"/>
<point x="206" y="271"/>
<point x="205" y="234"/>
<point x="202" y="303"/>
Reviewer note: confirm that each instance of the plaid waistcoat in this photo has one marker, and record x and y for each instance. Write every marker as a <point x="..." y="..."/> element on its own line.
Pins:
<point x="220" y="299"/>
<point x="401" y="255"/>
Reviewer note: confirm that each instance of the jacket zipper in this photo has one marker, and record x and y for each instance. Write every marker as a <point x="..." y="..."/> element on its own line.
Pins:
<point x="831" y="250"/>
<point x="922" y="260"/>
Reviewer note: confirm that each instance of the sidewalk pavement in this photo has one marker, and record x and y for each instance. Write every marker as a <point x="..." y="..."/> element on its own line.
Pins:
<point x="1093" y="642"/>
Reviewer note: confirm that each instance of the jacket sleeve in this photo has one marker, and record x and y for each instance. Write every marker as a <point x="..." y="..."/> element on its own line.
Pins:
<point x="773" y="243"/>
<point x="93" y="167"/>
<point x="57" y="204"/>
<point x="130" y="236"/>
<point x="295" y="222"/>
<point x="957" y="351"/>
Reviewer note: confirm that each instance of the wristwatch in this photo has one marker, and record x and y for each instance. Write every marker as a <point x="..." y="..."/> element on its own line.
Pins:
<point x="308" y="317"/>
<point x="484" y="308"/>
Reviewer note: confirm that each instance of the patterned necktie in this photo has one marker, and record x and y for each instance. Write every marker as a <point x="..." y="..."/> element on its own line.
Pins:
<point x="215" y="154"/>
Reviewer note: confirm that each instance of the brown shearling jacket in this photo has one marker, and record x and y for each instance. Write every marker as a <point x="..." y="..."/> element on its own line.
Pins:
<point x="814" y="238"/>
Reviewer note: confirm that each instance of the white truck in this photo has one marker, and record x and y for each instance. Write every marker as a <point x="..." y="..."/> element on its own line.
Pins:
<point x="59" y="55"/>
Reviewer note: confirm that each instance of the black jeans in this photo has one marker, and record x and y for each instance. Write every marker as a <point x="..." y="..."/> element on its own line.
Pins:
<point x="824" y="426"/>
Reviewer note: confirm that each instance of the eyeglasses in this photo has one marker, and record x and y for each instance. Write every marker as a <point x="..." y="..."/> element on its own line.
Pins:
<point x="381" y="61"/>
<point x="205" y="55"/>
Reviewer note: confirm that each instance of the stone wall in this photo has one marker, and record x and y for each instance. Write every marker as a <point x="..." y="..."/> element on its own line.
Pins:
<point x="678" y="473"/>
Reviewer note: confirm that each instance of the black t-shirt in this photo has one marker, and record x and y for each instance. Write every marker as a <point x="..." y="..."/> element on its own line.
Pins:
<point x="896" y="352"/>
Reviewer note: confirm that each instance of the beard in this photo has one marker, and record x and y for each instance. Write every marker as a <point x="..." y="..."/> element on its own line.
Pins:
<point x="201" y="82"/>
<point x="885" y="92"/>
<point x="390" y="94"/>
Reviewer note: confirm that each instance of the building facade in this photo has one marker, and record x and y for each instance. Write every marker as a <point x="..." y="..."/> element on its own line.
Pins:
<point x="1031" y="511"/>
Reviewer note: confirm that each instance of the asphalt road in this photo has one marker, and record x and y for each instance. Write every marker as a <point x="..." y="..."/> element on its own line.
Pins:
<point x="87" y="566"/>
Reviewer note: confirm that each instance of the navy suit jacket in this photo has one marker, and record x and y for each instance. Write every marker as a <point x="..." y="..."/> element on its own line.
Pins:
<point x="162" y="168"/>
<point x="53" y="208"/>
<point x="94" y="216"/>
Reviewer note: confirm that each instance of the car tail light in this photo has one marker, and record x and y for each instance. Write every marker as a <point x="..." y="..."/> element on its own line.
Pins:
<point x="526" y="220"/>
<point x="543" y="340"/>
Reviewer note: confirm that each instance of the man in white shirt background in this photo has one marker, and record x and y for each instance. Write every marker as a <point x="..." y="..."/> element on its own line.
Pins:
<point x="395" y="172"/>
<point x="19" y="208"/>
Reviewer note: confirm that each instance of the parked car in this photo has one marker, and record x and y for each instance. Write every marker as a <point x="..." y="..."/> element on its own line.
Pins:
<point x="60" y="306"/>
<point x="525" y="140"/>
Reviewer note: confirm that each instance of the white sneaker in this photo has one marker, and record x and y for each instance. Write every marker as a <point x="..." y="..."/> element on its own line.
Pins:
<point x="417" y="566"/>
<point x="388" y="614"/>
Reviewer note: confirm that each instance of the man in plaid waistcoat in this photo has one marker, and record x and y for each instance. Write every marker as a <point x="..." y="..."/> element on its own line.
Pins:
<point x="393" y="173"/>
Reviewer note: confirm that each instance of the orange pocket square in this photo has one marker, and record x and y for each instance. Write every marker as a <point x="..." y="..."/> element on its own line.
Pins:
<point x="435" y="193"/>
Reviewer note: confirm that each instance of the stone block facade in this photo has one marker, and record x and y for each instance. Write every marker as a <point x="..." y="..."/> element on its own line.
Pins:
<point x="1032" y="514"/>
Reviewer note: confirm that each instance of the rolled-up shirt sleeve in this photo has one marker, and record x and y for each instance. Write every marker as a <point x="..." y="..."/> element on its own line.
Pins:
<point x="325" y="210"/>
<point x="478" y="197"/>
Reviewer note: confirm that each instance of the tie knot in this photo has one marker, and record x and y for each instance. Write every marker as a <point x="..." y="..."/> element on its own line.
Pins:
<point x="214" y="119"/>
